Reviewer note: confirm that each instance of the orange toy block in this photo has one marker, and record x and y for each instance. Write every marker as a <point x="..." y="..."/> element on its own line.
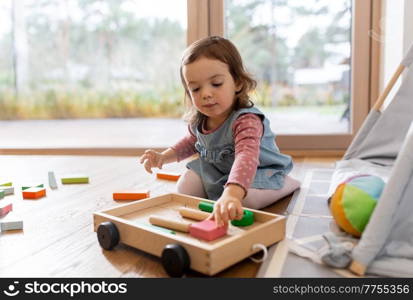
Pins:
<point x="168" y="176"/>
<point x="131" y="195"/>
<point x="34" y="193"/>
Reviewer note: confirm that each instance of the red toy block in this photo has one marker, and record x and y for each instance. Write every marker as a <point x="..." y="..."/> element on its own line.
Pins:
<point x="34" y="193"/>
<point x="131" y="195"/>
<point x="168" y="176"/>
<point x="5" y="207"/>
<point x="207" y="230"/>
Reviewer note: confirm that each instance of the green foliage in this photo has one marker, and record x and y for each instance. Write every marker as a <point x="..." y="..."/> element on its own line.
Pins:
<point x="59" y="104"/>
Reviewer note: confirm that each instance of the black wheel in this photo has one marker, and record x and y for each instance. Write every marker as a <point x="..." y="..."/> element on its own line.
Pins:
<point x="175" y="260"/>
<point x="108" y="235"/>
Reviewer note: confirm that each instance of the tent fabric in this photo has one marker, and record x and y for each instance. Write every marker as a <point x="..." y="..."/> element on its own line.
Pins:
<point x="383" y="147"/>
<point x="408" y="58"/>
<point x="383" y="136"/>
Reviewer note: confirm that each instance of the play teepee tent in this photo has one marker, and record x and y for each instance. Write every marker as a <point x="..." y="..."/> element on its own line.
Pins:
<point x="384" y="147"/>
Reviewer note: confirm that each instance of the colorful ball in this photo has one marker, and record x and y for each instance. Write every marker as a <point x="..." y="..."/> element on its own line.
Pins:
<point x="353" y="202"/>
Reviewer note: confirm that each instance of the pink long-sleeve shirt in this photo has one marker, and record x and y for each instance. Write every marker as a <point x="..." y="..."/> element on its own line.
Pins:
<point x="247" y="131"/>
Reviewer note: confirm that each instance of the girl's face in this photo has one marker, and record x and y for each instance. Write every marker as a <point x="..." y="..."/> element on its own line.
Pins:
<point x="211" y="87"/>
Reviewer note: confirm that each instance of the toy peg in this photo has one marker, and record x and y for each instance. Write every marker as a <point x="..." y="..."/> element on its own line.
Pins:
<point x="131" y="195"/>
<point x="205" y="230"/>
<point x="168" y="176"/>
<point x="174" y="225"/>
<point x="193" y="214"/>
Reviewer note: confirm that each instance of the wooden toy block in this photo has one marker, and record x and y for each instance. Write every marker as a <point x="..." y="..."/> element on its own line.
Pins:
<point x="247" y="218"/>
<point x="34" y="193"/>
<point x="75" y="179"/>
<point x="11" y="222"/>
<point x="6" y="190"/>
<point x="37" y="185"/>
<point x="5" y="207"/>
<point x="168" y="176"/>
<point x="6" y="183"/>
<point x="1" y="194"/>
<point x="131" y="195"/>
<point x="206" y="230"/>
<point x="52" y="180"/>
<point x="193" y="214"/>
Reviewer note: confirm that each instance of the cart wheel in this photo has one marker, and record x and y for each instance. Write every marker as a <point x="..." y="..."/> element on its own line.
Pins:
<point x="108" y="235"/>
<point x="175" y="260"/>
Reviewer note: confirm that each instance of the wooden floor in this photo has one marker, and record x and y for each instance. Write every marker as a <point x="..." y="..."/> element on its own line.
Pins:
<point x="58" y="238"/>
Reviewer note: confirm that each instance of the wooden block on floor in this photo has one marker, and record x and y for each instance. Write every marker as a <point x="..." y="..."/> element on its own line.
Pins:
<point x="6" y="190"/>
<point x="131" y="195"/>
<point x="37" y="185"/>
<point x="11" y="222"/>
<point x="72" y="179"/>
<point x="5" y="207"/>
<point x="34" y="193"/>
<point x="5" y="183"/>
<point x="52" y="180"/>
<point x="168" y="176"/>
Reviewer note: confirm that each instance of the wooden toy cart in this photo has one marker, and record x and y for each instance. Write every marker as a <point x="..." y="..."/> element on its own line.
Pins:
<point x="129" y="224"/>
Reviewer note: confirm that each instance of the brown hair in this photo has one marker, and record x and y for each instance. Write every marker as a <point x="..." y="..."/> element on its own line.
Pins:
<point x="219" y="48"/>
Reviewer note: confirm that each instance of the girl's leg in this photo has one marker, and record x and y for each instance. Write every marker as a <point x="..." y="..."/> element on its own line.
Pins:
<point x="259" y="198"/>
<point x="190" y="184"/>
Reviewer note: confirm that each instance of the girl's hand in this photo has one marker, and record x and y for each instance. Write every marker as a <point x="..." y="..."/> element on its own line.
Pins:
<point x="152" y="159"/>
<point x="228" y="207"/>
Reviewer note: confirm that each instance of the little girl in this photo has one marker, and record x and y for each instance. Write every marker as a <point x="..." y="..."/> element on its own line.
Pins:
<point x="239" y="163"/>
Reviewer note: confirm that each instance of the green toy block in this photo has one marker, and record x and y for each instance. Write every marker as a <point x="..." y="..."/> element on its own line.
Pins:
<point x="7" y="190"/>
<point x="75" y="179"/>
<point x="206" y="206"/>
<point x="6" y="183"/>
<point x="25" y="187"/>
<point x="247" y="219"/>
<point x="1" y="194"/>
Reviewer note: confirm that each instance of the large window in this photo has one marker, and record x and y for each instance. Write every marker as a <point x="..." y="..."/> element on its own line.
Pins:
<point x="91" y="58"/>
<point x="299" y="52"/>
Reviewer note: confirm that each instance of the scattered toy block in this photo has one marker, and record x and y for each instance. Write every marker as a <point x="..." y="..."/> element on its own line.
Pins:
<point x="5" y="207"/>
<point x="34" y="193"/>
<point x="37" y="185"/>
<point x="11" y="222"/>
<point x="52" y="180"/>
<point x="75" y="179"/>
<point x="168" y="176"/>
<point x="6" y="190"/>
<point x="6" y="183"/>
<point x="206" y="230"/>
<point x="247" y="218"/>
<point x="131" y="195"/>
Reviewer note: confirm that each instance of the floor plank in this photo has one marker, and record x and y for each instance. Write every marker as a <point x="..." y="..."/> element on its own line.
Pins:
<point x="58" y="238"/>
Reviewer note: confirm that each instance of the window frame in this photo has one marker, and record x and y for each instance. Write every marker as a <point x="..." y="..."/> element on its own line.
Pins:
<point x="206" y="17"/>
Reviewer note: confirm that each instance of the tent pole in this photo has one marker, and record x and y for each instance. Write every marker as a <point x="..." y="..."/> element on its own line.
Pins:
<point x="377" y="106"/>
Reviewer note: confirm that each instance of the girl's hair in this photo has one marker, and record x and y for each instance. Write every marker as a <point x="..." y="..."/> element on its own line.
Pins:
<point x="219" y="48"/>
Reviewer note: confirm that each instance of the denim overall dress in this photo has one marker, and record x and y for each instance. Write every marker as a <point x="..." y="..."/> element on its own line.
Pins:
<point x="217" y="153"/>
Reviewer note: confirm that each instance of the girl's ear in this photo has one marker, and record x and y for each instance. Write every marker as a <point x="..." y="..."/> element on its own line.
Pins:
<point x="238" y="88"/>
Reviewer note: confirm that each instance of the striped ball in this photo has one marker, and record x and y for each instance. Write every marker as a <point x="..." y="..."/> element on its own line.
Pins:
<point x="353" y="202"/>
